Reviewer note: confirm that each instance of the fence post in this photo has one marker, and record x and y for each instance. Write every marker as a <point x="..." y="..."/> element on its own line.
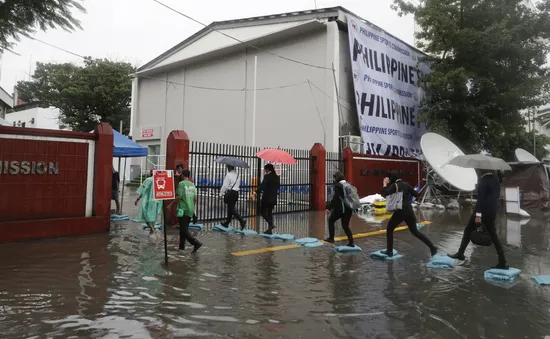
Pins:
<point x="103" y="173"/>
<point x="348" y="166"/>
<point x="318" y="187"/>
<point x="177" y="150"/>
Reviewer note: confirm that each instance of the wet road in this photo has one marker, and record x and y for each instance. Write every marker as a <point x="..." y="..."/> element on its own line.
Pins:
<point x="113" y="286"/>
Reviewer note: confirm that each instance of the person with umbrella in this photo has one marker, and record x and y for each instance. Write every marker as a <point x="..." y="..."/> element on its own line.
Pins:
<point x="230" y="189"/>
<point x="269" y="189"/>
<point x="488" y="194"/>
<point x="485" y="212"/>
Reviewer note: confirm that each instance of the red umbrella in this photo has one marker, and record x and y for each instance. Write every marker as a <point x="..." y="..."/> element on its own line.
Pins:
<point x="276" y="156"/>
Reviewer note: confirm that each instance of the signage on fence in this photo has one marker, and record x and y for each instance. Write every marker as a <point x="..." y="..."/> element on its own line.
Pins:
<point x="385" y="78"/>
<point x="163" y="185"/>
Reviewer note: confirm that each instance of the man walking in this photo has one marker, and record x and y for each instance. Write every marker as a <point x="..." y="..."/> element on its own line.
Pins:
<point x="186" y="194"/>
<point x="114" y="191"/>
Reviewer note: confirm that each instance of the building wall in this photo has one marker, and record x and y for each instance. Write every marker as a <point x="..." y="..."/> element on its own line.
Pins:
<point x="287" y="117"/>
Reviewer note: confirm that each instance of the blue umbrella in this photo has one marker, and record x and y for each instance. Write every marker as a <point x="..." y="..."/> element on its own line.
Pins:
<point x="232" y="162"/>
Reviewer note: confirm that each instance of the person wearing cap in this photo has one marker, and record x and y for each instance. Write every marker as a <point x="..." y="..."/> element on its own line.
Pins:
<point x="150" y="208"/>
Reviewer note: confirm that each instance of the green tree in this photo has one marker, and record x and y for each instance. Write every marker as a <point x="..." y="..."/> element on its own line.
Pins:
<point x="98" y="91"/>
<point x="22" y="17"/>
<point x="488" y="66"/>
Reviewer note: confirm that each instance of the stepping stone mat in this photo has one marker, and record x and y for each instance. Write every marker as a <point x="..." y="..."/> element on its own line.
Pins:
<point x="283" y="237"/>
<point x="221" y="228"/>
<point x="502" y="275"/>
<point x="116" y="217"/>
<point x="199" y="227"/>
<point x="381" y="256"/>
<point x="543" y="280"/>
<point x="348" y="249"/>
<point x="441" y="261"/>
<point x="246" y="232"/>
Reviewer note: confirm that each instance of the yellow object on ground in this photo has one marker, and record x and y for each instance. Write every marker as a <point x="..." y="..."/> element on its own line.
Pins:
<point x="286" y="247"/>
<point x="379" y="207"/>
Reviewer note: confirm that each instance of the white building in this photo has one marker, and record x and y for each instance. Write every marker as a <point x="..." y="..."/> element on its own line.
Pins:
<point x="31" y="115"/>
<point x="205" y="85"/>
<point x="6" y="103"/>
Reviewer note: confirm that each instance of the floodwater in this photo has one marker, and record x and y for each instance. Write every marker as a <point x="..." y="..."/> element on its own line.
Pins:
<point x="114" y="286"/>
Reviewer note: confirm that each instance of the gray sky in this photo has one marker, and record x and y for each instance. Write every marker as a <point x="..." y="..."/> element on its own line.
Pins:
<point x="136" y="31"/>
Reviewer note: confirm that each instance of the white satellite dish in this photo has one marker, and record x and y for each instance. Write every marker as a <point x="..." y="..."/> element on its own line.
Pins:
<point x="438" y="151"/>
<point x="524" y="156"/>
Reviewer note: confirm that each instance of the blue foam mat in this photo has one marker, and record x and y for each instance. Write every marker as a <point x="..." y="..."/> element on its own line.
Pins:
<point x="302" y="241"/>
<point x="441" y="261"/>
<point x="348" y="249"/>
<point x="278" y="236"/>
<point x="541" y="279"/>
<point x="502" y="275"/>
<point x="312" y="244"/>
<point x="196" y="227"/>
<point x="379" y="255"/>
<point x="221" y="228"/>
<point x="246" y="232"/>
<point x="158" y="226"/>
<point x="119" y="217"/>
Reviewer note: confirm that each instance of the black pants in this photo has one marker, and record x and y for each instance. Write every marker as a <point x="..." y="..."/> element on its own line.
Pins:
<point x="267" y="213"/>
<point x="489" y="223"/>
<point x="345" y="219"/>
<point x="232" y="198"/>
<point x="184" y="232"/>
<point x="407" y="215"/>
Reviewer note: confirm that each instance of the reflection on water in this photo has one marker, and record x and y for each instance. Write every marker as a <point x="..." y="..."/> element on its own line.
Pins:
<point x="114" y="286"/>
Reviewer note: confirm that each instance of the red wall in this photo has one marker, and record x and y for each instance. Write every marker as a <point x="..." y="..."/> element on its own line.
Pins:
<point x="367" y="172"/>
<point x="59" y="195"/>
<point x="39" y="206"/>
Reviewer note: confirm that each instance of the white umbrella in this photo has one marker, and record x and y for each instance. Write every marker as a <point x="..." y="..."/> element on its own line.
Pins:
<point x="480" y="161"/>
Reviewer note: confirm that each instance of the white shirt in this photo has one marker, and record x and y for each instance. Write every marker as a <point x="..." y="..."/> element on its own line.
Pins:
<point x="231" y="181"/>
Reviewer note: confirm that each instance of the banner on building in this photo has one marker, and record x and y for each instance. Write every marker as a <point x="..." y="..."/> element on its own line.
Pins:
<point x="385" y="77"/>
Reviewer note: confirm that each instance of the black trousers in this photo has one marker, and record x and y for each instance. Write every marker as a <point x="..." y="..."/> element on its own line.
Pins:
<point x="267" y="213"/>
<point x="184" y="232"/>
<point x="489" y="223"/>
<point x="233" y="197"/>
<point x="407" y="215"/>
<point x="345" y="219"/>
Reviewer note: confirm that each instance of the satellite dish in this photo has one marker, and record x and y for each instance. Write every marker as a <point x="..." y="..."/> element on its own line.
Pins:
<point x="524" y="156"/>
<point x="438" y="151"/>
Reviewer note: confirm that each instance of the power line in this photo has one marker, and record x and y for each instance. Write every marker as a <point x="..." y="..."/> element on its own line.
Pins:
<point x="240" y="41"/>
<point x="59" y="48"/>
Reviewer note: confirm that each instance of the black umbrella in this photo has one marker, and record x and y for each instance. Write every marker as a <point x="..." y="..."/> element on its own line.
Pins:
<point x="232" y="162"/>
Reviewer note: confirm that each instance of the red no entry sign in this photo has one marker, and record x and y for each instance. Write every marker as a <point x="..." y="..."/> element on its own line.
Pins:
<point x="163" y="185"/>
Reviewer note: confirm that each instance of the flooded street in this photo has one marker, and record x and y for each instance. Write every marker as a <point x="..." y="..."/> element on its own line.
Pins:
<point x="113" y="286"/>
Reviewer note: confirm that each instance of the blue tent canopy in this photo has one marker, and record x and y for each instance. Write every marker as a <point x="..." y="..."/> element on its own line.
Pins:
<point x="126" y="148"/>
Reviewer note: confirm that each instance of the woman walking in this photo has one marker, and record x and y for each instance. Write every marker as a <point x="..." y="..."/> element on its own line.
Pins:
<point x="339" y="210"/>
<point x="269" y="189"/>
<point x="150" y="208"/>
<point x="230" y="193"/>
<point x="393" y="184"/>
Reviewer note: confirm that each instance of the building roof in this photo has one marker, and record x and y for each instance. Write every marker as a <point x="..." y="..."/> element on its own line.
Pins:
<point x="6" y="98"/>
<point x="247" y="30"/>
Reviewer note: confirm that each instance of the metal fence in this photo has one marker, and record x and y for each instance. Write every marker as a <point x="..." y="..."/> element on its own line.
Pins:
<point x="294" y="194"/>
<point x="334" y="163"/>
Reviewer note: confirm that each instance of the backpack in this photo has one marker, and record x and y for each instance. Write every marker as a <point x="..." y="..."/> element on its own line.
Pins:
<point x="351" y="198"/>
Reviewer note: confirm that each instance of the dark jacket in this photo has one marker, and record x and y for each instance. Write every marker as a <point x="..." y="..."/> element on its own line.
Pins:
<point x="115" y="181"/>
<point x="269" y="188"/>
<point x="404" y="187"/>
<point x="488" y="194"/>
<point x="336" y="204"/>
